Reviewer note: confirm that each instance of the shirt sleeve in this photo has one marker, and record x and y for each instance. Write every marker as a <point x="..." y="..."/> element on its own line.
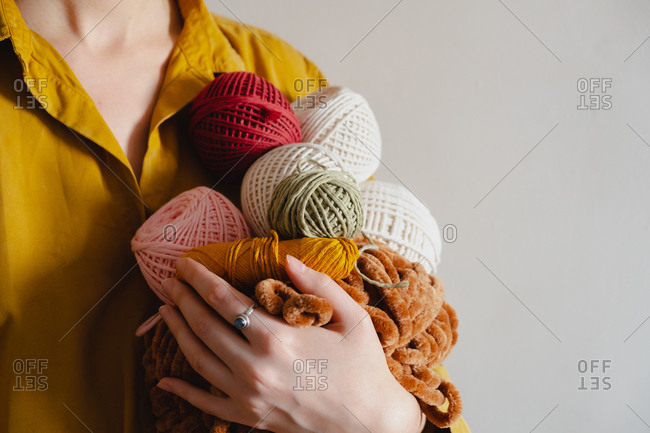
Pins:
<point x="272" y="58"/>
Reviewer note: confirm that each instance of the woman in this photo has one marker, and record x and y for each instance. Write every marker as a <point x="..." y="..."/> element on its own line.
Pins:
<point x="92" y="111"/>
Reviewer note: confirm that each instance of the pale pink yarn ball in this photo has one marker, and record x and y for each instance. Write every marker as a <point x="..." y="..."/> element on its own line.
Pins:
<point x="197" y="217"/>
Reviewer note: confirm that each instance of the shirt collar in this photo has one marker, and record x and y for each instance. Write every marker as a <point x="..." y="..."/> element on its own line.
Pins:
<point x="204" y="46"/>
<point x="201" y="50"/>
<point x="13" y="26"/>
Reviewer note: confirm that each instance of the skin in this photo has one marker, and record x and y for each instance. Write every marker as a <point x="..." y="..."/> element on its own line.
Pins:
<point x="256" y="369"/>
<point x="108" y="58"/>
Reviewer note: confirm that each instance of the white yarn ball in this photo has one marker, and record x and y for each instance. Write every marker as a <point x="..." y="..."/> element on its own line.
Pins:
<point x="342" y="121"/>
<point x="394" y="215"/>
<point x="269" y="170"/>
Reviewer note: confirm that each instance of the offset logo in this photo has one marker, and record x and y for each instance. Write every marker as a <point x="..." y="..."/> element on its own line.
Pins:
<point x="449" y="233"/>
<point x="309" y="374"/>
<point x="169" y="233"/>
<point x="25" y="100"/>
<point x="593" y="375"/>
<point x="308" y="86"/>
<point x="30" y="374"/>
<point x="593" y="93"/>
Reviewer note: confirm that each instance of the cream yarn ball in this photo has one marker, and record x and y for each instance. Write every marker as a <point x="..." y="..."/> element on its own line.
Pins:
<point x="394" y="215"/>
<point x="272" y="168"/>
<point x="341" y="121"/>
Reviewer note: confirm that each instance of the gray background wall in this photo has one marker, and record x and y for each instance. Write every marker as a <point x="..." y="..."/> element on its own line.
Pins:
<point x="550" y="264"/>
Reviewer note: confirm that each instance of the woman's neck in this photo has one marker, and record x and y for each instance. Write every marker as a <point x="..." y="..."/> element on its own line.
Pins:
<point x="97" y="24"/>
<point x="118" y="51"/>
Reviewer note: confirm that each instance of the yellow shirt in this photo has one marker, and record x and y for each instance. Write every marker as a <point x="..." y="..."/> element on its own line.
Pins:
<point x="71" y="294"/>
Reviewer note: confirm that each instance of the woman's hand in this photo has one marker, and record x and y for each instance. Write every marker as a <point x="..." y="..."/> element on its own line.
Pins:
<point x="281" y="378"/>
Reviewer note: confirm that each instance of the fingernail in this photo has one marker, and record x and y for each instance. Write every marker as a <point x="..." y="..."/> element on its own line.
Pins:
<point x="296" y="264"/>
<point x="164" y="312"/>
<point x="164" y="286"/>
<point x="164" y="385"/>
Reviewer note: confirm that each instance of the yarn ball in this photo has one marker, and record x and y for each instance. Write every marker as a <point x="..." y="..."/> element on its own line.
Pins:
<point x="194" y="218"/>
<point x="246" y="262"/>
<point x="316" y="203"/>
<point x="269" y="170"/>
<point x="342" y="121"/>
<point x="394" y="215"/>
<point x="238" y="117"/>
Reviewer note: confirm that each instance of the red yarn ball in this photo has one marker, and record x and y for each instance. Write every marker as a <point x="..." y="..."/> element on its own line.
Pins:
<point x="237" y="118"/>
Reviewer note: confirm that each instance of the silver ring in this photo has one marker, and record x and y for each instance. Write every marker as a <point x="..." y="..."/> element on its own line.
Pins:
<point x="242" y="321"/>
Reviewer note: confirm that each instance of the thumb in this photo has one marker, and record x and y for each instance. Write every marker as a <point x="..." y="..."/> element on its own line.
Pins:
<point x="307" y="280"/>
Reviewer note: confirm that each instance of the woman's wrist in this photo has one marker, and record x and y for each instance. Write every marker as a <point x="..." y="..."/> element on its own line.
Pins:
<point x="401" y="413"/>
<point x="397" y="411"/>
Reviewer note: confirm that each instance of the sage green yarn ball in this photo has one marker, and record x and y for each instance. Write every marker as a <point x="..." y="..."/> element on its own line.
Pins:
<point x="317" y="203"/>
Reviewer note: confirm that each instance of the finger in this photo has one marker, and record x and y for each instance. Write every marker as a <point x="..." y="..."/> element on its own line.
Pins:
<point x="220" y="337"/>
<point x="202" y="360"/>
<point x="225" y="299"/>
<point x="222" y="407"/>
<point x="307" y="280"/>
